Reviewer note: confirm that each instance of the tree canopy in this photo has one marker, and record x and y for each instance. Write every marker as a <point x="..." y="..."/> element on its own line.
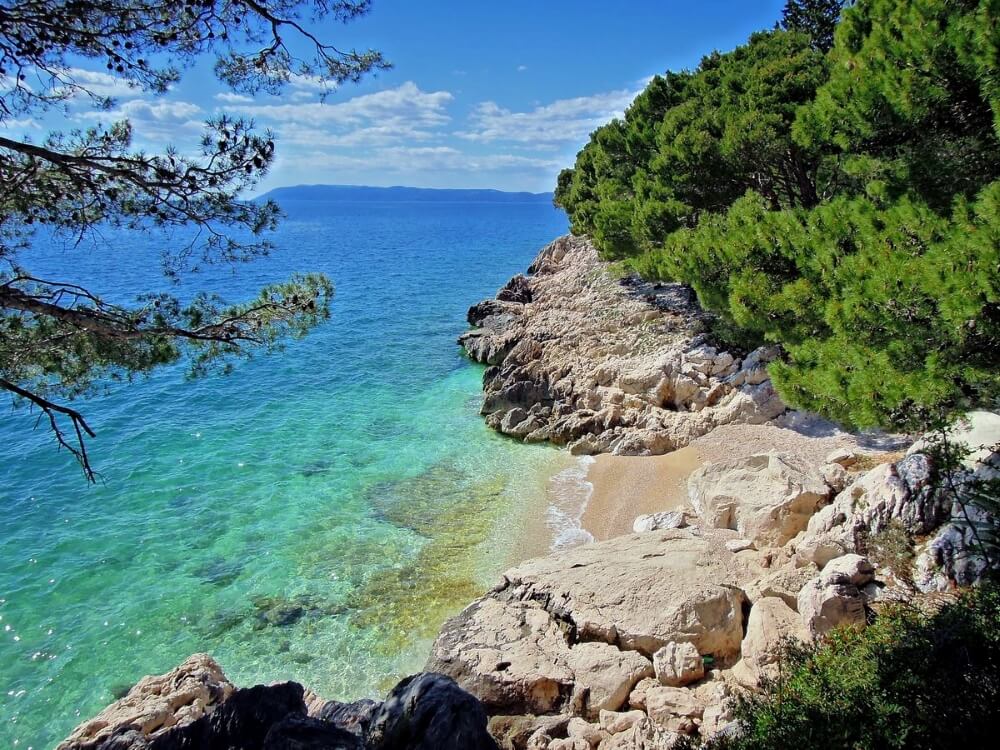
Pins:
<point x="843" y="204"/>
<point x="58" y="340"/>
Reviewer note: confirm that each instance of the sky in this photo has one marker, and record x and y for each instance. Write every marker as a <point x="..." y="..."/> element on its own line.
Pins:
<point x="481" y="95"/>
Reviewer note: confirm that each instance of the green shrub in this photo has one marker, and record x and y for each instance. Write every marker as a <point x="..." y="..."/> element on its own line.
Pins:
<point x="891" y="548"/>
<point x="914" y="679"/>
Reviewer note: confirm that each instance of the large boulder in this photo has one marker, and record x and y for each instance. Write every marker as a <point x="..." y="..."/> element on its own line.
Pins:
<point x="768" y="498"/>
<point x="889" y="493"/>
<point x="514" y="648"/>
<point x="510" y="654"/>
<point x="783" y="583"/>
<point x="429" y="712"/>
<point x="676" y="709"/>
<point x="158" y="702"/>
<point x="677" y="664"/>
<point x="833" y="598"/>
<point x="770" y="625"/>
<point x="604" y="676"/>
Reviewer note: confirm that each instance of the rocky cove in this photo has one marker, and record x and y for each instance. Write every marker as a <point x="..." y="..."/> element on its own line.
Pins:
<point x="634" y="641"/>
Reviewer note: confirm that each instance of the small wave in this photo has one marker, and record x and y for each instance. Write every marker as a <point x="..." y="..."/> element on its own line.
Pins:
<point x="569" y="493"/>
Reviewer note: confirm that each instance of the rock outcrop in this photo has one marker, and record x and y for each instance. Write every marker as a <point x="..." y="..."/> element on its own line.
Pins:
<point x="194" y="707"/>
<point x="767" y="498"/>
<point x="605" y="365"/>
<point x="158" y="703"/>
<point x="640" y="639"/>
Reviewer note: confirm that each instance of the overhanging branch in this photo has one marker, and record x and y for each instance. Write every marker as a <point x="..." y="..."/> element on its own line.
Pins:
<point x="52" y="411"/>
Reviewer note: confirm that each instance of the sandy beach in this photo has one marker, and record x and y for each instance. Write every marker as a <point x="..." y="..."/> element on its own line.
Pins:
<point x="628" y="486"/>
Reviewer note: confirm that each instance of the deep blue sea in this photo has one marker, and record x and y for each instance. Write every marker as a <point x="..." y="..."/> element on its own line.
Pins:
<point x="313" y="515"/>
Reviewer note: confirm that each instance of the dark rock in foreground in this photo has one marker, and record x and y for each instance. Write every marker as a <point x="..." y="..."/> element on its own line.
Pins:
<point x="194" y="707"/>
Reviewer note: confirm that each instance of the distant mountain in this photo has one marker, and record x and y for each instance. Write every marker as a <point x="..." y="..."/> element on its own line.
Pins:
<point x="400" y="194"/>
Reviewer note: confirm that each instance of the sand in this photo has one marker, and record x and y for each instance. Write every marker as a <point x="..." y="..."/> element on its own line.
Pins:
<point x="628" y="486"/>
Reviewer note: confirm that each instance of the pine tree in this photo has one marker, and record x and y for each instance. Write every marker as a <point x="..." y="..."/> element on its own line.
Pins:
<point x="817" y="18"/>
<point x="57" y="339"/>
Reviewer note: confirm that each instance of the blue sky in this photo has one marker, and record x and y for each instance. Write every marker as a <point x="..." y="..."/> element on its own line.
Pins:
<point x="497" y="95"/>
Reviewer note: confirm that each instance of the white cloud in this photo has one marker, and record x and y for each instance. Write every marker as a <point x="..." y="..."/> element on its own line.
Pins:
<point x="405" y="103"/>
<point x="521" y="68"/>
<point x="155" y="123"/>
<point x="228" y="97"/>
<point x="101" y="84"/>
<point x="162" y="110"/>
<point x="564" y="120"/>
<point x="314" y="84"/>
<point x="390" y="132"/>
<point x="401" y="114"/>
<point x="417" y="159"/>
<point x="20" y="125"/>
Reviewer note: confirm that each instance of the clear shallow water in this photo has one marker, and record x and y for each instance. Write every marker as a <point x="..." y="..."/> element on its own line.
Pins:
<point x="314" y="515"/>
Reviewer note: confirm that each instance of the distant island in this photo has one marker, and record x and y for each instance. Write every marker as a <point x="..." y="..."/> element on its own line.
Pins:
<point x="400" y="194"/>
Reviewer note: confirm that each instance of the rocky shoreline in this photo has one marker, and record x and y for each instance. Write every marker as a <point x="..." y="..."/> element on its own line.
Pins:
<point x="602" y="364"/>
<point x="635" y="641"/>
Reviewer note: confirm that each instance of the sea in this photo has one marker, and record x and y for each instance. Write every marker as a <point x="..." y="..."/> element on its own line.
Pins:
<point x="314" y="515"/>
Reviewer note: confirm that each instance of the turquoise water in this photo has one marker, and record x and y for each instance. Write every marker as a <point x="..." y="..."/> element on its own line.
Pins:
<point x="313" y="515"/>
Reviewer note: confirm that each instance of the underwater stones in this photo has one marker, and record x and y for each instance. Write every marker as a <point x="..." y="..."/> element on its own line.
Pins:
<point x="219" y="571"/>
<point x="283" y="612"/>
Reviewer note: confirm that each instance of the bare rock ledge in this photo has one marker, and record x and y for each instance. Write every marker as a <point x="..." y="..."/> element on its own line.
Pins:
<point x="606" y="365"/>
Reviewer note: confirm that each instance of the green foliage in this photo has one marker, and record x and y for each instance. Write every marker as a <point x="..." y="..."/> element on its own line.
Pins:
<point x="912" y="101"/>
<point x="59" y="340"/>
<point x="845" y="206"/>
<point x="913" y="680"/>
<point x="693" y="143"/>
<point x="817" y="18"/>
<point x="891" y="549"/>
